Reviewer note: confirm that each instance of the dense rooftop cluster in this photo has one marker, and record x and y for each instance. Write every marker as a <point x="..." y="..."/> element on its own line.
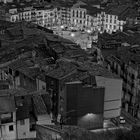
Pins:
<point x="36" y="49"/>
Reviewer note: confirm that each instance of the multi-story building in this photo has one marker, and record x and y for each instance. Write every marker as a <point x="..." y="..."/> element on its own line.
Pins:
<point x="25" y="14"/>
<point x="127" y="67"/>
<point x="111" y="19"/>
<point x="102" y="91"/>
<point x="68" y="72"/>
<point x="84" y="104"/>
<point x="85" y="17"/>
<point x="65" y="14"/>
<point x="78" y="17"/>
<point x="50" y="16"/>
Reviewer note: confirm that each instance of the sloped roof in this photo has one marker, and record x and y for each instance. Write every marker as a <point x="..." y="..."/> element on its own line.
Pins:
<point x="116" y="10"/>
<point x="47" y="100"/>
<point x="39" y="105"/>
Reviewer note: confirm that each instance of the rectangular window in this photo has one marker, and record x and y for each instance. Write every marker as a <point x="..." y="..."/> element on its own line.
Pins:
<point x="11" y="128"/>
<point x="32" y="127"/>
<point x="10" y="71"/>
<point x="106" y="20"/>
<point x="22" y="122"/>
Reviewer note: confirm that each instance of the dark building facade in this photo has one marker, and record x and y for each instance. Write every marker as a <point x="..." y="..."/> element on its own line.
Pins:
<point x="83" y="105"/>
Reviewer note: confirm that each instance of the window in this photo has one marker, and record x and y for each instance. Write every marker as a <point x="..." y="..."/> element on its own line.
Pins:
<point x="77" y="14"/>
<point x="80" y="14"/>
<point x="22" y="122"/>
<point x="106" y="20"/>
<point x="24" y="81"/>
<point x="11" y="128"/>
<point x="84" y="15"/>
<point x="10" y="71"/>
<point x="32" y="127"/>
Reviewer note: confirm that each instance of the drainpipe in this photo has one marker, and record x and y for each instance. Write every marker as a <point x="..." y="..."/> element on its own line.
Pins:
<point x="0" y="127"/>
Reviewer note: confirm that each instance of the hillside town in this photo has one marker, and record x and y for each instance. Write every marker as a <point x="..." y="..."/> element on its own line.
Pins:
<point x="69" y="69"/>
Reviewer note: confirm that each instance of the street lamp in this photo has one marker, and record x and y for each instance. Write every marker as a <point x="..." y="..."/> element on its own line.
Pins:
<point x="72" y="35"/>
<point x="62" y="27"/>
<point x="89" y="31"/>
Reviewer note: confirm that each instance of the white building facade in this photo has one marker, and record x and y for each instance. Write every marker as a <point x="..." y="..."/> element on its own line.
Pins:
<point x="111" y="22"/>
<point x="113" y="96"/>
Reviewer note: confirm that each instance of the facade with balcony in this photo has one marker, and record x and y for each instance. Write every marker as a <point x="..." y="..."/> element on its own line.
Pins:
<point x="111" y="22"/>
<point x="131" y="88"/>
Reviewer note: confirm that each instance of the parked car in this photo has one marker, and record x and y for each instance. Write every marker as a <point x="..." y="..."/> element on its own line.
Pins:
<point x="122" y="120"/>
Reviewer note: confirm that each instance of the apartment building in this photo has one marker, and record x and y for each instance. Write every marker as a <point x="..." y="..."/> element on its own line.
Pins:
<point x="78" y="17"/>
<point x="50" y="17"/>
<point x="65" y="13"/>
<point x="127" y="68"/>
<point x="85" y="17"/>
<point x="24" y="14"/>
<point x="41" y="15"/>
<point x="111" y="19"/>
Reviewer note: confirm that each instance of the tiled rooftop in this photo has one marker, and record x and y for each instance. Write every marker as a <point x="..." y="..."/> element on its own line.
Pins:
<point x="20" y="92"/>
<point x="116" y="10"/>
<point x="66" y="128"/>
<point x="40" y="107"/>
<point x="23" y="100"/>
<point x="64" y="68"/>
